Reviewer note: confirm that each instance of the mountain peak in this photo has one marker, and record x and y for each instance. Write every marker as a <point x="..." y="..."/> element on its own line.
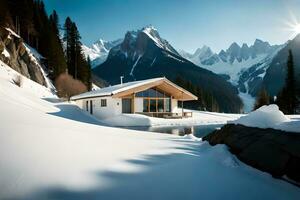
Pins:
<point x="257" y="41"/>
<point x="149" y="28"/>
<point x="234" y="45"/>
<point x="245" y="45"/>
<point x="141" y="37"/>
<point x="100" y="41"/>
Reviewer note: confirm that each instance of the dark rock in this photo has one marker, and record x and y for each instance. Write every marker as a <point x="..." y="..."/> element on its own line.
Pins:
<point x="274" y="151"/>
<point x="19" y="59"/>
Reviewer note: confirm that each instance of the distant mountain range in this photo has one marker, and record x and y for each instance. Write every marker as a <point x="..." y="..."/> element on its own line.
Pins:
<point x="144" y="54"/>
<point x="244" y="66"/>
<point x="98" y="51"/>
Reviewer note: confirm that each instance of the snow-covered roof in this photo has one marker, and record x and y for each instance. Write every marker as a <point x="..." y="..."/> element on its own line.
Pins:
<point x="112" y="90"/>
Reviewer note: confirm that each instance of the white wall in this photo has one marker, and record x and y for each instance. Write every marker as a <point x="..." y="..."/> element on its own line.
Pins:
<point x="174" y="105"/>
<point x="138" y="103"/>
<point x="113" y="107"/>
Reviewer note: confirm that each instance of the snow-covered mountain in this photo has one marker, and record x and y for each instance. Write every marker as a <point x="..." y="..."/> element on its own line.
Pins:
<point x="98" y="51"/>
<point x="144" y="54"/>
<point x="235" y="60"/>
<point x="244" y="66"/>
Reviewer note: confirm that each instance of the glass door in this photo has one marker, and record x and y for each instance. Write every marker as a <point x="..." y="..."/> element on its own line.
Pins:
<point x="126" y="105"/>
<point x="152" y="105"/>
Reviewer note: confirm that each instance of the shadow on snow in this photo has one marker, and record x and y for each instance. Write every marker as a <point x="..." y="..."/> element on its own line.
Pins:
<point x="72" y="112"/>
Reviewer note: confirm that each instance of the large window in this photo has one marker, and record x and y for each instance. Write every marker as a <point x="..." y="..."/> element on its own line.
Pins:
<point x="160" y="105"/>
<point x="155" y="100"/>
<point x="152" y="105"/>
<point x="152" y="92"/>
<point x="146" y="105"/>
<point x="168" y="105"/>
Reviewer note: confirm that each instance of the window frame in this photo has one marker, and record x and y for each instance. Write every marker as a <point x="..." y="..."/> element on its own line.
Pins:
<point x="103" y="102"/>
<point x="160" y="95"/>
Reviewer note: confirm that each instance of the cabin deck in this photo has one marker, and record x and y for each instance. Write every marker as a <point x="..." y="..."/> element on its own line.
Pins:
<point x="167" y="115"/>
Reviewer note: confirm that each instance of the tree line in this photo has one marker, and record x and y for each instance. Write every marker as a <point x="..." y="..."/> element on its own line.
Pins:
<point x="288" y="99"/>
<point x="29" y="19"/>
<point x="206" y="100"/>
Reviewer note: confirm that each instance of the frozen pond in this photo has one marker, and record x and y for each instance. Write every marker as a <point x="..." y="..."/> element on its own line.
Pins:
<point x="197" y="130"/>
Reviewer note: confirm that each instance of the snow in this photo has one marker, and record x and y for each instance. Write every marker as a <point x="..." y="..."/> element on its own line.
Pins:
<point x="198" y="118"/>
<point x="148" y="31"/>
<point x="175" y="58"/>
<point x="248" y="101"/>
<point x="93" y="53"/>
<point x="12" y="32"/>
<point x="153" y="61"/>
<point x="152" y="33"/>
<point x="99" y="50"/>
<point x="36" y="58"/>
<point x="107" y="91"/>
<point x="34" y="52"/>
<point x="5" y="53"/>
<point x="52" y="150"/>
<point x="136" y="62"/>
<point x="95" y="87"/>
<point x="234" y="69"/>
<point x="269" y="117"/>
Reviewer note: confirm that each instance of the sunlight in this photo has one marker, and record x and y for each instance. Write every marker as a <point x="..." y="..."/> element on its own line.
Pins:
<point x="292" y="25"/>
<point x="296" y="28"/>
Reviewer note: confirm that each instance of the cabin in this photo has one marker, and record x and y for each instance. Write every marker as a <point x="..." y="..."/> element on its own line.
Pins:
<point x="157" y="97"/>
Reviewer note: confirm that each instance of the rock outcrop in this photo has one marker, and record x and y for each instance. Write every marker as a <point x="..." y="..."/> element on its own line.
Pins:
<point x="14" y="53"/>
<point x="273" y="151"/>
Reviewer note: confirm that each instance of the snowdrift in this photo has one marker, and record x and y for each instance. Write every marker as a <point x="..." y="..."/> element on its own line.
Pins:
<point x="269" y="117"/>
<point x="199" y="118"/>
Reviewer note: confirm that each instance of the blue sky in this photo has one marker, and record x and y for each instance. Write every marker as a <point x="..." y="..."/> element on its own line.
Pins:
<point x="186" y="24"/>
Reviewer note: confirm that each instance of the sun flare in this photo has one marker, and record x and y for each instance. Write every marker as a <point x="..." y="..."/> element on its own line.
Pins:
<point x="292" y="25"/>
<point x="296" y="28"/>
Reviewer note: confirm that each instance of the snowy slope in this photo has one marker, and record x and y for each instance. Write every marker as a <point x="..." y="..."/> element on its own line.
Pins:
<point x="52" y="150"/>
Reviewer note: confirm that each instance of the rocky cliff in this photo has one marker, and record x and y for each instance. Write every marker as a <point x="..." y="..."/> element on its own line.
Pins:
<point x="274" y="151"/>
<point x="15" y="53"/>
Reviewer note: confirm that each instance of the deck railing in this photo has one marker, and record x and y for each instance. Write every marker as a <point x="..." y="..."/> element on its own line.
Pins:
<point x="167" y="115"/>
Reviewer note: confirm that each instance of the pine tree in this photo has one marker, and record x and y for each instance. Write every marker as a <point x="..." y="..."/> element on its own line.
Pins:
<point x="89" y="74"/>
<point x="78" y="66"/>
<point x="5" y="16"/>
<point x="291" y="84"/>
<point x="262" y="99"/>
<point x="205" y="101"/>
<point x="287" y="99"/>
<point x="67" y="40"/>
<point x="55" y="53"/>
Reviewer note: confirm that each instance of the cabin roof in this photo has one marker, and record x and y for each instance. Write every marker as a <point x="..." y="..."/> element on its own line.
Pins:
<point x="125" y="89"/>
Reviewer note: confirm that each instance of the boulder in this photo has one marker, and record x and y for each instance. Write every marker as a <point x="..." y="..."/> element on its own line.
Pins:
<point x="274" y="151"/>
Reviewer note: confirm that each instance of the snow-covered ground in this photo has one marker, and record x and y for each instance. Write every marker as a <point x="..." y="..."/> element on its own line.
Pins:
<point x="52" y="150"/>
<point x="248" y="101"/>
<point x="270" y="117"/>
<point x="198" y="118"/>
